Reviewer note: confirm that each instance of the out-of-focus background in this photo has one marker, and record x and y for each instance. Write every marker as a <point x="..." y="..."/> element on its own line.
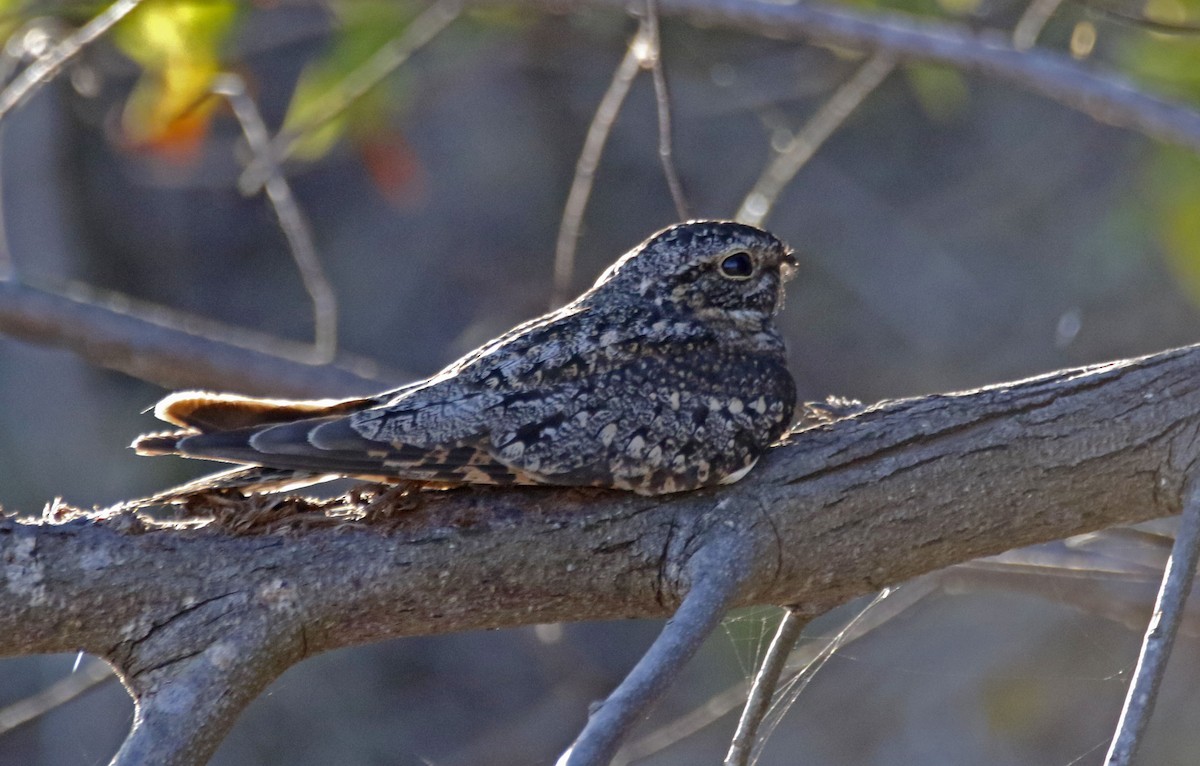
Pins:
<point x="953" y="232"/>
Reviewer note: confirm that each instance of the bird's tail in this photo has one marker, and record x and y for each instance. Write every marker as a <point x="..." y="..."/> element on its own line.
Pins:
<point x="160" y="443"/>
<point x="203" y="411"/>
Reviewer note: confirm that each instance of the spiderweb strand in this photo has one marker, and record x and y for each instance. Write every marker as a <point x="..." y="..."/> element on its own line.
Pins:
<point x="762" y="690"/>
<point x="684" y="726"/>
<point x="796" y="684"/>
<point x="734" y="696"/>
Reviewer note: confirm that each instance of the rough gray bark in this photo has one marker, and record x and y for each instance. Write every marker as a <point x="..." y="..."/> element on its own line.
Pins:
<point x="198" y="621"/>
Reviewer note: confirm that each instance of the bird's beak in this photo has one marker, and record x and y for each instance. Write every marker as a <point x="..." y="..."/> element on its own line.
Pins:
<point x="789" y="267"/>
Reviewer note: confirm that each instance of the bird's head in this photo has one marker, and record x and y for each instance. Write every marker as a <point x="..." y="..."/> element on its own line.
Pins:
<point x="719" y="270"/>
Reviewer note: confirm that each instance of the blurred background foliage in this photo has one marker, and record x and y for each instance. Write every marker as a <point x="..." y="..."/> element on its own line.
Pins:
<point x="954" y="232"/>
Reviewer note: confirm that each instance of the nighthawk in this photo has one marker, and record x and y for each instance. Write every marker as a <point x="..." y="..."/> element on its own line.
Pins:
<point x="667" y="375"/>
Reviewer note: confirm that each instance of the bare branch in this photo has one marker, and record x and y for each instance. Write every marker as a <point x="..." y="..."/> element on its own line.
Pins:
<point x="45" y="68"/>
<point x="176" y="350"/>
<point x="585" y="167"/>
<point x="1032" y="22"/>
<point x="726" y="701"/>
<point x="662" y="100"/>
<point x="1160" y="633"/>
<point x="419" y="33"/>
<point x="801" y="679"/>
<point x="1107" y="97"/>
<point x="186" y="700"/>
<point x="762" y="690"/>
<point x="56" y="695"/>
<point x="291" y="220"/>
<point x="784" y="166"/>
<point x="718" y="572"/>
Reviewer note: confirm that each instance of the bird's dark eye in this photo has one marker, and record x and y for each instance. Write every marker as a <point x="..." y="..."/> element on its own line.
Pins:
<point x="738" y="266"/>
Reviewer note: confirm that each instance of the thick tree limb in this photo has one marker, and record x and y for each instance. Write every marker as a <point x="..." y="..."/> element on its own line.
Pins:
<point x="187" y="702"/>
<point x="902" y="488"/>
<point x="176" y="350"/>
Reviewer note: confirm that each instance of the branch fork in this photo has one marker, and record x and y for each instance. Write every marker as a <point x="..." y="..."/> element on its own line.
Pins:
<point x="203" y="618"/>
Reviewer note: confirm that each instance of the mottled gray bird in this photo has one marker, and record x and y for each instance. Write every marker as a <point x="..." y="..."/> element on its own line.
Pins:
<point x="667" y="375"/>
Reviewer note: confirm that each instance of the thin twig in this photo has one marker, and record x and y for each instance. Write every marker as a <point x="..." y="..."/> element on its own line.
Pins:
<point x="1107" y="97"/>
<point x="662" y="100"/>
<point x="726" y="701"/>
<point x="56" y="695"/>
<point x="291" y="219"/>
<point x="423" y="29"/>
<point x="718" y="573"/>
<point x="45" y="68"/>
<point x="589" y="159"/>
<point x="1032" y="22"/>
<point x="792" y="688"/>
<point x="10" y="58"/>
<point x="784" y="166"/>
<point x="1160" y="633"/>
<point x="762" y="690"/>
<point x="1104" y="96"/>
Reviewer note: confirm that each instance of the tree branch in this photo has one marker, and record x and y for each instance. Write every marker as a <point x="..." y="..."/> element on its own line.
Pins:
<point x="1107" y="97"/>
<point x="176" y="350"/>
<point x="839" y="510"/>
<point x="292" y="221"/>
<point x="718" y="573"/>
<point x="187" y="702"/>
<point x="762" y="690"/>
<point x="48" y="66"/>
<point x="1160" y="635"/>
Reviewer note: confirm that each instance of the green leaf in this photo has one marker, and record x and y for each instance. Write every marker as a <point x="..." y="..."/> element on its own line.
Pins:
<point x="365" y="28"/>
<point x="1174" y="185"/>
<point x="178" y="43"/>
<point x="941" y="91"/>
